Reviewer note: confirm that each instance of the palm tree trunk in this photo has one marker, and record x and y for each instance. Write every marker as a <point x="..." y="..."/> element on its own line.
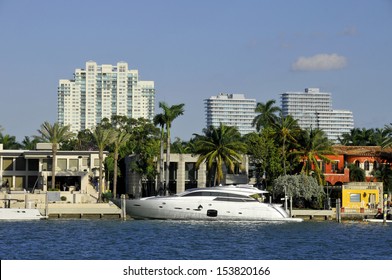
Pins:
<point x="115" y="174"/>
<point x="54" y="161"/>
<point x="100" y="183"/>
<point x="161" y="165"/>
<point x="284" y="155"/>
<point x="167" y="160"/>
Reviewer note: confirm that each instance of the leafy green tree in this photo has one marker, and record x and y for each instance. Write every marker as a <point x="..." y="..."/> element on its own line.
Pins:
<point x="103" y="137"/>
<point x="264" y="155"/>
<point x="313" y="146"/>
<point x="144" y="145"/>
<point x="168" y="116"/>
<point x="54" y="134"/>
<point x="122" y="127"/>
<point x="302" y="188"/>
<point x="84" y="141"/>
<point x="218" y="147"/>
<point x="267" y="114"/>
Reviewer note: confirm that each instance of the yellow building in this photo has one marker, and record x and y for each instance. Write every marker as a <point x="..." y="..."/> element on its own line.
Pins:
<point x="362" y="195"/>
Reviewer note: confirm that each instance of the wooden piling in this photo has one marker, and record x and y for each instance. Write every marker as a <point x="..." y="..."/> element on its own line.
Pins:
<point x="123" y="207"/>
<point x="338" y="212"/>
<point x="385" y="208"/>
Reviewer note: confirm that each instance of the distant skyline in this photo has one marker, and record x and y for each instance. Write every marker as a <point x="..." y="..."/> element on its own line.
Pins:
<point x="196" y="49"/>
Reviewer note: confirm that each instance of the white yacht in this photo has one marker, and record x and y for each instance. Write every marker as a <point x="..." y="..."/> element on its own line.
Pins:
<point x="241" y="202"/>
<point x="20" y="214"/>
<point x="8" y="213"/>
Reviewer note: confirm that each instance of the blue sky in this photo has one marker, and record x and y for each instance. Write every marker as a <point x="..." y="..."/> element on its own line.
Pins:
<point x="197" y="49"/>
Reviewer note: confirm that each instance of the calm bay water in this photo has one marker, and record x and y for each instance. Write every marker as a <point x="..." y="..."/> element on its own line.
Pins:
<point x="162" y="240"/>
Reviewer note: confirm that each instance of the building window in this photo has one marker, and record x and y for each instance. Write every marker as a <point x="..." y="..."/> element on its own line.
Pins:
<point x="355" y="197"/>
<point x="375" y="165"/>
<point x="47" y="164"/>
<point x="366" y="165"/>
<point x="334" y="166"/>
<point x="73" y="164"/>
<point x="357" y="164"/>
<point x="19" y="182"/>
<point x="32" y="182"/>
<point x="20" y="164"/>
<point x="62" y="164"/>
<point x="85" y="163"/>
<point x="33" y="164"/>
<point x="8" y="164"/>
<point x="190" y="171"/>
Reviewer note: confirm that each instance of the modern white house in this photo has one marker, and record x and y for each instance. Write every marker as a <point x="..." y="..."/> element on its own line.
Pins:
<point x="313" y="109"/>
<point x="31" y="170"/>
<point x="232" y="110"/>
<point x="101" y="91"/>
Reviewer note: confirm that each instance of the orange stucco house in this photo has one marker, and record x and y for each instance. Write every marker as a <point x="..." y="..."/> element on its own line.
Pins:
<point x="366" y="157"/>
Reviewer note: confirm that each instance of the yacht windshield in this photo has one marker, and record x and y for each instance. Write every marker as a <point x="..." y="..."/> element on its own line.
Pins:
<point x="212" y="193"/>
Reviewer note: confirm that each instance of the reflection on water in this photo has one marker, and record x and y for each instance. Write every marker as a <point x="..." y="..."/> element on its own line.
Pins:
<point x="114" y="239"/>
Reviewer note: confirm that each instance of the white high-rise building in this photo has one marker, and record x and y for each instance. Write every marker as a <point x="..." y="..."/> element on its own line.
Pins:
<point x="313" y="109"/>
<point x="101" y="91"/>
<point x="232" y="110"/>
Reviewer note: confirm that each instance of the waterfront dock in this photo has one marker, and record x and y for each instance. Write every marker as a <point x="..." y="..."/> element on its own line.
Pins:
<point x="79" y="210"/>
<point x="310" y="214"/>
<point x="351" y="214"/>
<point x="75" y="205"/>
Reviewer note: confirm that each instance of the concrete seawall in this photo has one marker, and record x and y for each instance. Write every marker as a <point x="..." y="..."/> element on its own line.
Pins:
<point x="78" y="210"/>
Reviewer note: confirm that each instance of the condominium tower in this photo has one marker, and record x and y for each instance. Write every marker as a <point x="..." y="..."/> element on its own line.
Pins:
<point x="313" y="109"/>
<point x="232" y="110"/>
<point x="101" y="91"/>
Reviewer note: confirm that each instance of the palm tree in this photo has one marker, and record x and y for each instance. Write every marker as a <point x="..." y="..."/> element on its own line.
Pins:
<point x="103" y="137"/>
<point x="120" y="141"/>
<point x="357" y="174"/>
<point x="9" y="142"/>
<point x="219" y="146"/>
<point x="54" y="134"/>
<point x="314" y="146"/>
<point x="267" y="116"/>
<point x="362" y="137"/>
<point x="384" y="175"/>
<point x="168" y="116"/>
<point x="286" y="130"/>
<point x="182" y="147"/>
<point x="29" y="144"/>
<point x="387" y="142"/>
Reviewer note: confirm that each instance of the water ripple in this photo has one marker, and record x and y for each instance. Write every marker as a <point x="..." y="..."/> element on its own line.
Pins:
<point x="112" y="239"/>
